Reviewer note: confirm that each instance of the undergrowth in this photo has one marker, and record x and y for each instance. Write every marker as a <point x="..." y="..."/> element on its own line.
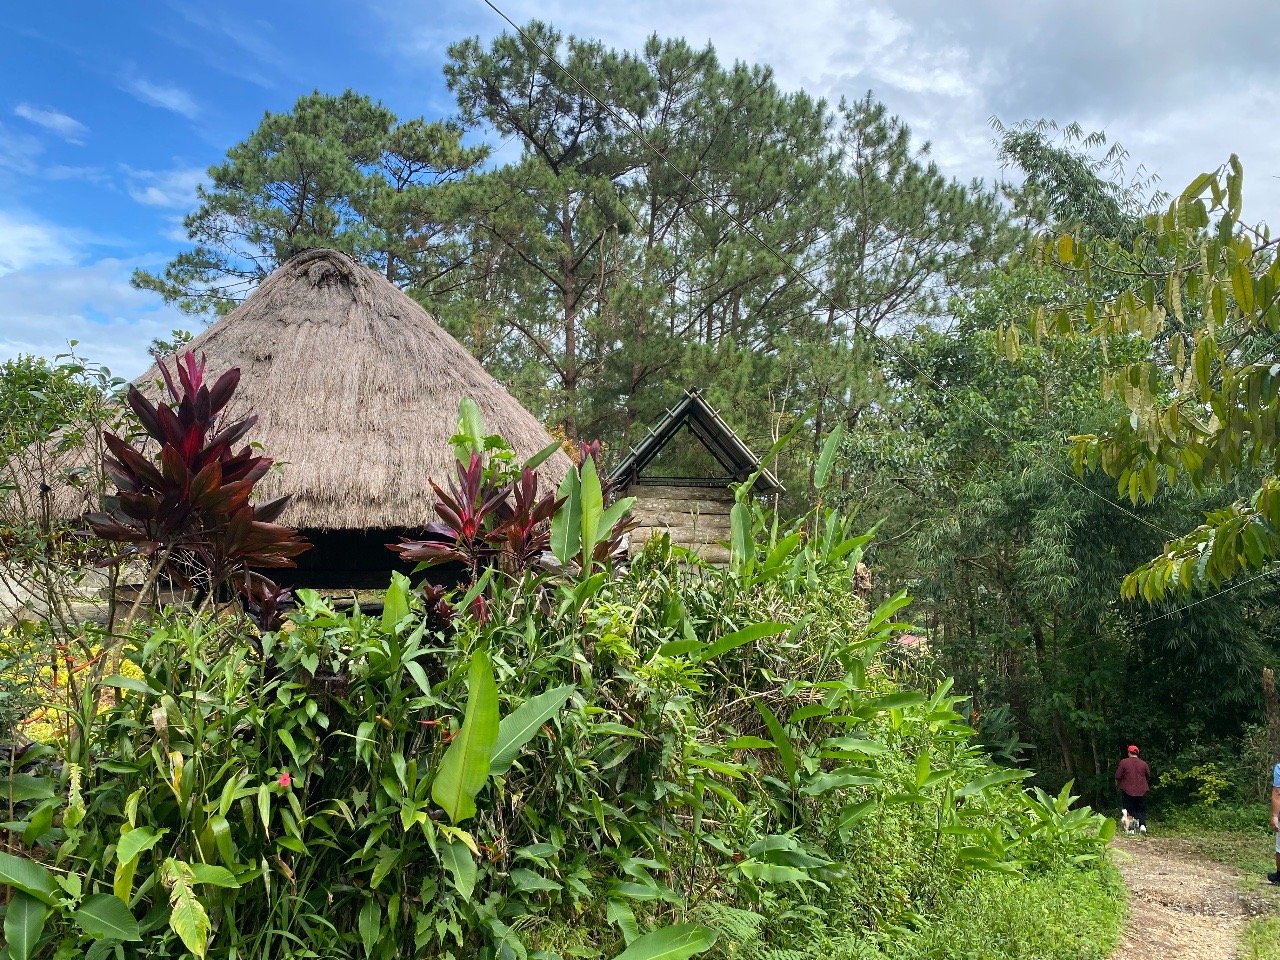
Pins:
<point x="651" y="761"/>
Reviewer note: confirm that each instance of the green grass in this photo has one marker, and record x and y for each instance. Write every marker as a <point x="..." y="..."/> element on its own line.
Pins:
<point x="1064" y="915"/>
<point x="1239" y="836"/>
<point x="1261" y="939"/>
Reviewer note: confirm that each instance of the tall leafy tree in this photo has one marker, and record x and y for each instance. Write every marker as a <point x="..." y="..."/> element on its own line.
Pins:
<point x="1017" y="564"/>
<point x="1198" y="289"/>
<point x="335" y="171"/>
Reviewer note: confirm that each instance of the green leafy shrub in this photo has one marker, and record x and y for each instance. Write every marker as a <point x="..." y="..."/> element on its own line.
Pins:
<point x="586" y="763"/>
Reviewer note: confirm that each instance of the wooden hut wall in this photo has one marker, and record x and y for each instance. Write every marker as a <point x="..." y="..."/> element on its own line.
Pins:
<point x="697" y="518"/>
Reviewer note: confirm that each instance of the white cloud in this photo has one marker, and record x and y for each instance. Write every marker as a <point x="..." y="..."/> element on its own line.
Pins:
<point x="52" y="290"/>
<point x="165" y="96"/>
<point x="173" y="189"/>
<point x="43" y="308"/>
<point x="1180" y="90"/>
<point x="26" y="243"/>
<point x="68" y="128"/>
<point x="19" y="152"/>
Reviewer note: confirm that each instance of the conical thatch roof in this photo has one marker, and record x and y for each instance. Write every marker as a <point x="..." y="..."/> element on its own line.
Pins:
<point x="356" y="389"/>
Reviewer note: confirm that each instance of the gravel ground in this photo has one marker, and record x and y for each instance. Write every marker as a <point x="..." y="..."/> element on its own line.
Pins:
<point x="1182" y="906"/>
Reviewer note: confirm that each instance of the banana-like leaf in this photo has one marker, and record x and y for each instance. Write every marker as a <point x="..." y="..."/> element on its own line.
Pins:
<point x="678" y="942"/>
<point x="103" y="917"/>
<point x="23" y="924"/>
<point x="471" y="424"/>
<point x="395" y="604"/>
<point x="542" y="456"/>
<point x="461" y="864"/>
<point x="785" y="751"/>
<point x="465" y="766"/>
<point x="566" y="525"/>
<point x="827" y="458"/>
<point x="28" y="876"/>
<point x="522" y="724"/>
<point x="757" y="631"/>
<point x="592" y="500"/>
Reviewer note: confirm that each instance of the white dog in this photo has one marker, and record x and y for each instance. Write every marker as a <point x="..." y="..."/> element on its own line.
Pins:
<point x="1127" y="823"/>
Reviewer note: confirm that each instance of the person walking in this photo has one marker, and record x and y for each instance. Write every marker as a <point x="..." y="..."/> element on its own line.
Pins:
<point x="1275" y="819"/>
<point x="1133" y="778"/>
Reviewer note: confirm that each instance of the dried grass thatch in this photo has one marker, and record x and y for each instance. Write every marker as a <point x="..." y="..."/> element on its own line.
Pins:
<point x="356" y="388"/>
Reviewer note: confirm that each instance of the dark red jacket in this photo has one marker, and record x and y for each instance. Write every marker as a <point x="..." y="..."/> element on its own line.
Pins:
<point x="1133" y="777"/>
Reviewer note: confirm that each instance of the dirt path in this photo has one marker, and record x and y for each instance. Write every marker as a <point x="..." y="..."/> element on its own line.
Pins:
<point x="1183" y="906"/>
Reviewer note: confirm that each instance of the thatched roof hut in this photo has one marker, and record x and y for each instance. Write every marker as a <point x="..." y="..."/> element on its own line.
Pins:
<point x="356" y="389"/>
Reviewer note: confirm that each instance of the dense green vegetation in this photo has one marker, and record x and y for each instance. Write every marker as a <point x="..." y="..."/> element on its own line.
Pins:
<point x="1031" y="391"/>
<point x="652" y="762"/>
<point x="810" y="268"/>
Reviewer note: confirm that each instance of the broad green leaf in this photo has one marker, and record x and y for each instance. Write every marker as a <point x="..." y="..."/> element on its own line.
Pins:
<point x="471" y="424"/>
<point x="742" y="544"/>
<point x="621" y="916"/>
<point x="820" y="783"/>
<point x="566" y="525"/>
<point x="617" y="511"/>
<point x="414" y="669"/>
<point x="749" y="743"/>
<point x="21" y="788"/>
<point x="680" y="648"/>
<point x="370" y="924"/>
<point x="898" y="701"/>
<point x="29" y="877"/>
<point x="749" y="634"/>
<point x="187" y="916"/>
<point x="23" y="924"/>
<point x="986" y="781"/>
<point x="135" y="684"/>
<point x="774" y="872"/>
<point x="103" y="917"/>
<point x="39" y="823"/>
<point x="465" y="765"/>
<point x="858" y="745"/>
<point x="461" y="865"/>
<point x="854" y="812"/>
<point x="780" y="740"/>
<point x="214" y="876"/>
<point x="670" y="943"/>
<point x="522" y="724"/>
<point x="827" y="458"/>
<point x="530" y="882"/>
<point x="542" y="456"/>
<point x="785" y="849"/>
<point x="592" y="500"/>
<point x="134" y="842"/>
<point x="395" y="603"/>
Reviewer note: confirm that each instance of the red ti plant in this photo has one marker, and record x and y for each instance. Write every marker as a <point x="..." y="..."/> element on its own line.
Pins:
<point x="483" y="524"/>
<point x="189" y="508"/>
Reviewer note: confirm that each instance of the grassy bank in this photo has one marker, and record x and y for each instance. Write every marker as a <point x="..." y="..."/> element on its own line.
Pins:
<point x="1237" y="835"/>
<point x="1067" y="914"/>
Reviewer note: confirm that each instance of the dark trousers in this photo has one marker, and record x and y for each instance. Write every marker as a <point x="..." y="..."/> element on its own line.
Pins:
<point x="1137" y="807"/>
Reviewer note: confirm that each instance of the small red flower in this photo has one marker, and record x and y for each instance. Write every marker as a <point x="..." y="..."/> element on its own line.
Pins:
<point x="285" y="780"/>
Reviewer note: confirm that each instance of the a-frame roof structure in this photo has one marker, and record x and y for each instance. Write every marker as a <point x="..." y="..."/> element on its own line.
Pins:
<point x="704" y="423"/>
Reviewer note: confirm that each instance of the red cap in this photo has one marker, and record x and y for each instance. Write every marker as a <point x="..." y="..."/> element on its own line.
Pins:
<point x="1132" y="748"/>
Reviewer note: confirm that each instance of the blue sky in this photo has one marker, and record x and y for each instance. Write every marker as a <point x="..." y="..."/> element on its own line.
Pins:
<point x="110" y="113"/>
